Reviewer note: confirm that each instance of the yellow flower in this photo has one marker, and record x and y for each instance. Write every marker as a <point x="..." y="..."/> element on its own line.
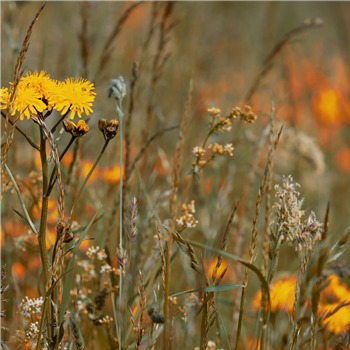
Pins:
<point x="42" y="84"/>
<point x="4" y="97"/>
<point x="75" y="95"/>
<point x="282" y="294"/>
<point x="27" y="102"/>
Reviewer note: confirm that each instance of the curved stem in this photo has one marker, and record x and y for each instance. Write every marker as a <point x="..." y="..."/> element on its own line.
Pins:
<point x="74" y="207"/>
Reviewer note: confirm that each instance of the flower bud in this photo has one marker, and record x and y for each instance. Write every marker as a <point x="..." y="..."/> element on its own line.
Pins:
<point x="117" y="88"/>
<point x="102" y="123"/>
<point x="111" y="129"/>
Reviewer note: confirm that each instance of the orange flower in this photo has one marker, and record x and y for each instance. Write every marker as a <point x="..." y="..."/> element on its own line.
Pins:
<point x="19" y="269"/>
<point x="211" y="266"/>
<point x="342" y="159"/>
<point x="52" y="210"/>
<point x="334" y="294"/>
<point x="282" y="294"/>
<point x="2" y="238"/>
<point x="67" y="159"/>
<point x="50" y="238"/>
<point x="338" y="322"/>
<point x="86" y="169"/>
<point x="330" y="106"/>
<point x="112" y="175"/>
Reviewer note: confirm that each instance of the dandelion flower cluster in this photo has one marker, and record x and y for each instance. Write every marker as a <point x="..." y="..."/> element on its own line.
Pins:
<point x="37" y="92"/>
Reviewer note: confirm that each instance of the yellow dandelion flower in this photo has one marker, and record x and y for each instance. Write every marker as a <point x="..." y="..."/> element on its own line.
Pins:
<point x="75" y="95"/>
<point x="27" y="102"/>
<point x="282" y="294"/>
<point x="42" y="84"/>
<point x="4" y="97"/>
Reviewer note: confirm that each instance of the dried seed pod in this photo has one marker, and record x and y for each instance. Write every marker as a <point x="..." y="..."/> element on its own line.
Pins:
<point x="79" y="129"/>
<point x="109" y="129"/>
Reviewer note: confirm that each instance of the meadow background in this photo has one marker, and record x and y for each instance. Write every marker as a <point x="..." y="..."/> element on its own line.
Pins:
<point x="222" y="47"/>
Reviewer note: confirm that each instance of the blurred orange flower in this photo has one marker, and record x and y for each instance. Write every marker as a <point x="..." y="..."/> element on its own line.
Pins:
<point x="282" y="294"/>
<point x="67" y="159"/>
<point x="211" y="266"/>
<point x="112" y="175"/>
<point x="87" y="165"/>
<point x="330" y="106"/>
<point x="19" y="269"/>
<point x="52" y="210"/>
<point x="342" y="159"/>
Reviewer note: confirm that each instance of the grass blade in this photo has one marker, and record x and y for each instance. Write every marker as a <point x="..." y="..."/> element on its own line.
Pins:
<point x="69" y="279"/>
<point x="210" y="289"/>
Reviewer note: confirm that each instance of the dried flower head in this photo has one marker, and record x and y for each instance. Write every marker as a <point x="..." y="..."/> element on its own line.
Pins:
<point x="246" y="114"/>
<point x="79" y="129"/>
<point x="219" y="150"/>
<point x="109" y="129"/>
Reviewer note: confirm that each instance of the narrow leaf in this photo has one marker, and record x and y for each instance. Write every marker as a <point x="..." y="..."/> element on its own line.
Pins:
<point x="68" y="282"/>
<point x="210" y="289"/>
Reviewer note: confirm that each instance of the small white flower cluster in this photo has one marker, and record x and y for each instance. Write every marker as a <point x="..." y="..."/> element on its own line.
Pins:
<point x="187" y="220"/>
<point x="30" y="307"/>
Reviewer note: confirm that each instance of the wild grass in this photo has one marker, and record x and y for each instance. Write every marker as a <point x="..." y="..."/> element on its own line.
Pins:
<point x="142" y="243"/>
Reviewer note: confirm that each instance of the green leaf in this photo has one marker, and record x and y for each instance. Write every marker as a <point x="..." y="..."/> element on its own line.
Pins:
<point x="19" y="194"/>
<point x="49" y="292"/>
<point x="68" y="282"/>
<point x="264" y="285"/>
<point x="219" y="288"/>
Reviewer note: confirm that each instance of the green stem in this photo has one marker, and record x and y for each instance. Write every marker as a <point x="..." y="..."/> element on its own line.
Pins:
<point x="53" y="129"/>
<point x="239" y="327"/>
<point x="38" y="345"/>
<point x="74" y="207"/>
<point x="54" y="171"/>
<point x="43" y="218"/>
<point x="120" y="218"/>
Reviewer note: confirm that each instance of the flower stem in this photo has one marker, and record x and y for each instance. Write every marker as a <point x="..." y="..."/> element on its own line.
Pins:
<point x="74" y="207"/>
<point x="43" y="218"/>
<point x="53" y="129"/>
<point x="120" y="217"/>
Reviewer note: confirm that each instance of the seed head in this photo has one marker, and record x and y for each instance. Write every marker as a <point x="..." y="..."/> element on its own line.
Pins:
<point x="122" y="257"/>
